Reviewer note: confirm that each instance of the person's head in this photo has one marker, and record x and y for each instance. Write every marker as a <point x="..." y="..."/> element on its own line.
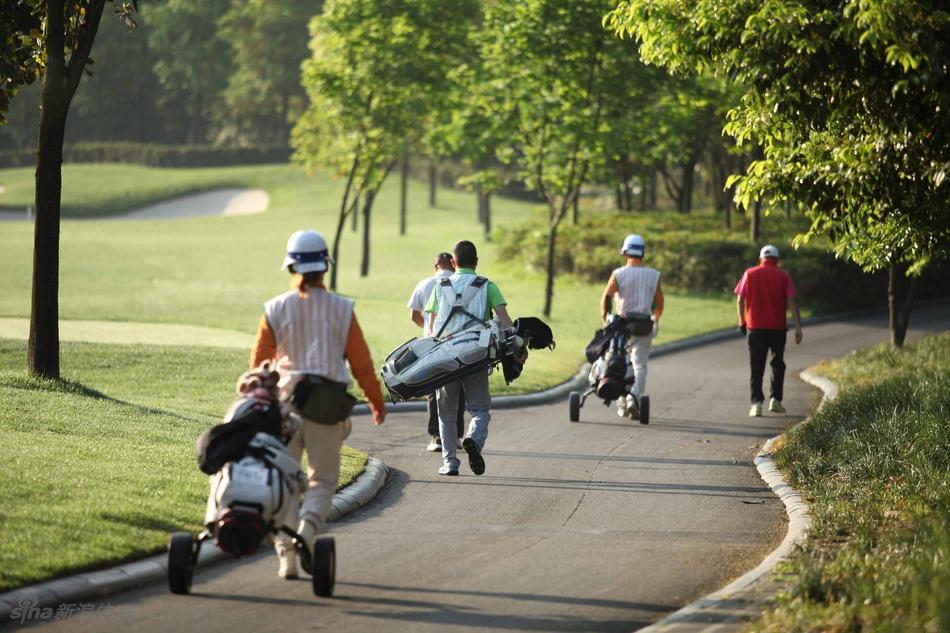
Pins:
<point x="465" y="254"/>
<point x="768" y="252"/>
<point x="307" y="258"/>
<point x="633" y="247"/>
<point x="444" y="261"/>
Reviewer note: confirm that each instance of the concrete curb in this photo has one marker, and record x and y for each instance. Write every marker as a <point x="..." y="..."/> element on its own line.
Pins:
<point x="98" y="584"/>
<point x="733" y="605"/>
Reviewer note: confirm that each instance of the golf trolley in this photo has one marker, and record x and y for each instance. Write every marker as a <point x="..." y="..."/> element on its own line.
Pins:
<point x="611" y="376"/>
<point x="184" y="549"/>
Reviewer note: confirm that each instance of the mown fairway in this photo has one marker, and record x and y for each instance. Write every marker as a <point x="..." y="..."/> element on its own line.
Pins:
<point x="218" y="271"/>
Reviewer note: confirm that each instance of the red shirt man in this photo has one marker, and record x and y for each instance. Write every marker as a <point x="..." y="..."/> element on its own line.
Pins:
<point x="765" y="293"/>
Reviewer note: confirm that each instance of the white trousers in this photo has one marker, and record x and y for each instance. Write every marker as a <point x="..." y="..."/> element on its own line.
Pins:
<point x="639" y="347"/>
<point x="323" y="443"/>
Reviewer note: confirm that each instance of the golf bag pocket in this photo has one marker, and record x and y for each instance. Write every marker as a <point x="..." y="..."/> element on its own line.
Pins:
<point x="322" y="400"/>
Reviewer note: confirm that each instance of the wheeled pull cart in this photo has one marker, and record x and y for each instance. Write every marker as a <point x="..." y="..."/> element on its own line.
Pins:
<point x="611" y="376"/>
<point x="318" y="560"/>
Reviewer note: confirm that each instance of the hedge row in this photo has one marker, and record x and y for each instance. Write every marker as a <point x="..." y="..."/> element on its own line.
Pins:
<point x="155" y="155"/>
<point x="704" y="262"/>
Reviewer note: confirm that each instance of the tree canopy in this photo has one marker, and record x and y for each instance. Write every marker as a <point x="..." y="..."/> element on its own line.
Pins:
<point x="848" y="102"/>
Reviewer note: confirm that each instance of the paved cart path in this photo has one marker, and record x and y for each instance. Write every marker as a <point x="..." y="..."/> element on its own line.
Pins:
<point x="602" y="525"/>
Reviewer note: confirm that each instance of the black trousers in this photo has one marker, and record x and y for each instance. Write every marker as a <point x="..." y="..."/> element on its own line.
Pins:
<point x="434" y="415"/>
<point x="760" y="343"/>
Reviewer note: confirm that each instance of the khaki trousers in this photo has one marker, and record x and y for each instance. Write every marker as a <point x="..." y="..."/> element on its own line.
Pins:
<point x="323" y="443"/>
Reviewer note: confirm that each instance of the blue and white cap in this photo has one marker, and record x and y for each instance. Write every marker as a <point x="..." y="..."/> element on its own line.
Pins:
<point x="633" y="245"/>
<point x="307" y="253"/>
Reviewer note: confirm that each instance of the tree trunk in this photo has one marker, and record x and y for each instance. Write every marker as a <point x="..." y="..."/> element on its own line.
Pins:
<point x="43" y="346"/>
<point x="899" y="315"/>
<point x="486" y="201"/>
<point x="341" y="221"/>
<point x="367" y="209"/>
<point x="433" y="176"/>
<point x="403" y="192"/>
<point x="755" y="221"/>
<point x="576" y="209"/>
<point x="354" y="217"/>
<point x="479" y="204"/>
<point x="686" y="189"/>
<point x="60" y="83"/>
<point x="654" y="186"/>
<point x="549" y="270"/>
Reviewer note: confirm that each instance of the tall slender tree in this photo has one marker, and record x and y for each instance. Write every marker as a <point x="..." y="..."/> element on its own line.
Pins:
<point x="51" y="39"/>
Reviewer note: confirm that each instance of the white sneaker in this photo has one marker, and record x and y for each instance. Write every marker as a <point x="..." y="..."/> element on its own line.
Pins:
<point x="756" y="410"/>
<point x="288" y="564"/>
<point x="459" y="445"/>
<point x="776" y="406"/>
<point x="435" y="446"/>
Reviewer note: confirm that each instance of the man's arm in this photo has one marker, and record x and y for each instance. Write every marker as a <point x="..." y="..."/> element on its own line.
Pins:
<point x="740" y="308"/>
<point x="503" y="319"/>
<point x="417" y="318"/>
<point x="658" y="303"/>
<point x="798" y="319"/>
<point x="609" y="292"/>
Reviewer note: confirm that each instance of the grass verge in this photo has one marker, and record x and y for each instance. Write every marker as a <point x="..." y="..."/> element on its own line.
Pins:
<point x="875" y="464"/>
<point x="98" y="472"/>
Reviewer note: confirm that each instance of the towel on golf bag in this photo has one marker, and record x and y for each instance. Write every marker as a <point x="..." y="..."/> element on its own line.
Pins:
<point x="227" y="441"/>
<point x="250" y="495"/>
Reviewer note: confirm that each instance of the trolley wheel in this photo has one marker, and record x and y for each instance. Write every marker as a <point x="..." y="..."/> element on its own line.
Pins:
<point x="181" y="566"/>
<point x="575" y="404"/>
<point x="644" y="409"/>
<point x="323" y="566"/>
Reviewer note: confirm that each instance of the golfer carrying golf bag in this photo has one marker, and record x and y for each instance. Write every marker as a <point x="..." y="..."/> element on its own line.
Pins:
<point x="316" y="341"/>
<point x="455" y="303"/>
<point x="636" y="293"/>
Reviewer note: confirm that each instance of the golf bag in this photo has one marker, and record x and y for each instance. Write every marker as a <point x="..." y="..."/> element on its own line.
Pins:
<point x="611" y="372"/>
<point x="420" y="366"/>
<point x="254" y="477"/>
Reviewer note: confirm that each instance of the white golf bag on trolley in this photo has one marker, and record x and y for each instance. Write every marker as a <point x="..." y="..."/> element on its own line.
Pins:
<point x="250" y="496"/>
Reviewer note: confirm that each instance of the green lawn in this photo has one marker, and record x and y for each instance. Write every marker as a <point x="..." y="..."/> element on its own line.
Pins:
<point x="101" y="471"/>
<point x="217" y="272"/>
<point x="875" y="465"/>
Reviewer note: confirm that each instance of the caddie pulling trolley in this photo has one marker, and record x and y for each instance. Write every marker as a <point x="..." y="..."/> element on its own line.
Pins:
<point x="611" y="376"/>
<point x="253" y="479"/>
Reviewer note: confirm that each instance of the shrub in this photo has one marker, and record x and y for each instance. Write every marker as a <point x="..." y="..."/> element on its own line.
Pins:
<point x="696" y="255"/>
<point x="155" y="155"/>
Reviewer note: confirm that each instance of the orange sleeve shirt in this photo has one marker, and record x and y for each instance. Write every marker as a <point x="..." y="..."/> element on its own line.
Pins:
<point x="357" y="353"/>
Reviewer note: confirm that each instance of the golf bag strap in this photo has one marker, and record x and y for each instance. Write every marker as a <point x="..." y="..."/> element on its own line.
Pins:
<point x="460" y="300"/>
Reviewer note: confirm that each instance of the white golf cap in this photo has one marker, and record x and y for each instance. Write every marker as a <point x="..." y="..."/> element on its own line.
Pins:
<point x="633" y="245"/>
<point x="768" y="251"/>
<point x="307" y="252"/>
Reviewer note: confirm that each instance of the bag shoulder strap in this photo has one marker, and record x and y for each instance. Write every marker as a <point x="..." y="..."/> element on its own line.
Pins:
<point x="460" y="300"/>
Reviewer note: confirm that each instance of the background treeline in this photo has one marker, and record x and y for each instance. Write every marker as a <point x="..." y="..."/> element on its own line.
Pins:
<point x="216" y="73"/>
